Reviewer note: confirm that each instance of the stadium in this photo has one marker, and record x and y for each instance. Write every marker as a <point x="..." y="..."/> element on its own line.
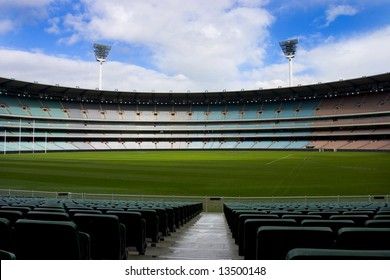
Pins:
<point x="279" y="171"/>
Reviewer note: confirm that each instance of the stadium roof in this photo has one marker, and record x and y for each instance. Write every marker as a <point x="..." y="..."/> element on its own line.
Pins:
<point x="363" y="84"/>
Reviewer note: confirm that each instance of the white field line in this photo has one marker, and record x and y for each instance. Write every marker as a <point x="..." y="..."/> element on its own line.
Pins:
<point x="271" y="162"/>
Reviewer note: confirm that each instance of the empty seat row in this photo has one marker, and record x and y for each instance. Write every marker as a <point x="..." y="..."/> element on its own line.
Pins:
<point x="274" y="242"/>
<point x="98" y="234"/>
<point x="312" y="229"/>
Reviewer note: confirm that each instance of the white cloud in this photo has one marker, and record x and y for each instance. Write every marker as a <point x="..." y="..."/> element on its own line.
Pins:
<point x="196" y="45"/>
<point x="22" y="12"/>
<point x="333" y="12"/>
<point x="358" y="56"/>
<point x="203" y="40"/>
<point x="25" y="3"/>
<point x="46" y="69"/>
<point x="362" y="55"/>
<point x="6" y="26"/>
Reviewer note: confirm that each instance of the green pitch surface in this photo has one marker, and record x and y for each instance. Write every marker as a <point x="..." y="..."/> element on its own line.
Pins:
<point x="200" y="173"/>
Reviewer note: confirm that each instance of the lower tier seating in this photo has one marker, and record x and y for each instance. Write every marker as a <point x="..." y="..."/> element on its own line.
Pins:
<point x="40" y="228"/>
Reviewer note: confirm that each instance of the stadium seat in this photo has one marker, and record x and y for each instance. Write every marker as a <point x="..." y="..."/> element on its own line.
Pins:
<point x="171" y="219"/>
<point x="135" y="229"/>
<point x="335" y="225"/>
<point x="50" y="240"/>
<point x="324" y="214"/>
<point x="239" y="231"/>
<point x="163" y="221"/>
<point x="11" y="215"/>
<point x="22" y="209"/>
<point x="298" y="218"/>
<point x="378" y="223"/>
<point x="6" y="239"/>
<point x="49" y="209"/>
<point x="370" y="214"/>
<point x="47" y="216"/>
<point x="108" y="236"/>
<point x="363" y="238"/>
<point x="152" y="224"/>
<point x="72" y="212"/>
<point x="247" y="244"/>
<point x="358" y="219"/>
<point x="274" y="242"/>
<point x="5" y="255"/>
<point x="234" y="223"/>
<point x="336" y="254"/>
<point x="381" y="217"/>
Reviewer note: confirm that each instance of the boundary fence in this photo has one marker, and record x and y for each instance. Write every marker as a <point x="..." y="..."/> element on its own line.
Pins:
<point x="210" y="203"/>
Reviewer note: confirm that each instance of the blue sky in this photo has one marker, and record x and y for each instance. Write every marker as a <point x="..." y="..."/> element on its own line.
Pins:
<point x="198" y="45"/>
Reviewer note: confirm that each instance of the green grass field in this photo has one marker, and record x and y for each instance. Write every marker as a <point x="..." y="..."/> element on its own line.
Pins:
<point x="211" y="173"/>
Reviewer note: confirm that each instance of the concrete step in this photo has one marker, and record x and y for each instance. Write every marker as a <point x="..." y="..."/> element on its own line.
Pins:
<point x="206" y="237"/>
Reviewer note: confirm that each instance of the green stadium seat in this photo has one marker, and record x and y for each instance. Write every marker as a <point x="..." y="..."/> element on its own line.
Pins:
<point x="274" y="242"/>
<point x="336" y="254"/>
<point x="152" y="224"/>
<point x="108" y="236"/>
<point x="6" y="239"/>
<point x="72" y="212"/>
<point x="241" y="222"/>
<point x="363" y="238"/>
<point x="135" y="229"/>
<point x="247" y="245"/>
<point x="378" y="223"/>
<point x="163" y="221"/>
<point x="22" y="209"/>
<point x="298" y="218"/>
<point x="324" y="214"/>
<point x="47" y="216"/>
<point x="382" y="217"/>
<point x="5" y="255"/>
<point x="335" y="225"/>
<point x="49" y="209"/>
<point x="370" y="214"/>
<point x="50" y="240"/>
<point x="11" y="215"/>
<point x="171" y="219"/>
<point x="358" y="219"/>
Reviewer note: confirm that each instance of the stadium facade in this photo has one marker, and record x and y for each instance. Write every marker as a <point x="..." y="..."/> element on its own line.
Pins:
<point x="343" y="115"/>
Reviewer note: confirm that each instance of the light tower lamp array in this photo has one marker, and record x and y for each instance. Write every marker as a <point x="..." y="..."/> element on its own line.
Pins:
<point x="289" y="48"/>
<point x="101" y="53"/>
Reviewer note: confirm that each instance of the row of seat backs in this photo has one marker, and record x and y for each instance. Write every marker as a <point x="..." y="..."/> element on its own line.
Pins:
<point x="88" y="236"/>
<point x="335" y="222"/>
<point x="359" y="219"/>
<point x="274" y="242"/>
<point x="170" y="218"/>
<point x="183" y="212"/>
<point x="152" y="218"/>
<point x="336" y="254"/>
<point x="358" y="216"/>
<point x="247" y="240"/>
<point x="325" y="211"/>
<point x="133" y="221"/>
<point x="129" y="237"/>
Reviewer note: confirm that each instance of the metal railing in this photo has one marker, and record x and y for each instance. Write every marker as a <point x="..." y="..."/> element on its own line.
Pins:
<point x="210" y="203"/>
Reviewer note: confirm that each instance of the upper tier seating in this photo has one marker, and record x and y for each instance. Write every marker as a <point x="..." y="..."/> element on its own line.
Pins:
<point x="348" y="122"/>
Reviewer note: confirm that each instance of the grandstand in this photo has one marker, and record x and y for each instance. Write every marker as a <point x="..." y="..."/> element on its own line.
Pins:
<point x="343" y="115"/>
<point x="347" y="115"/>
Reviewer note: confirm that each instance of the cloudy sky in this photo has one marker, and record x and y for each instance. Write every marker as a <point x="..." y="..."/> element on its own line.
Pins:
<point x="197" y="45"/>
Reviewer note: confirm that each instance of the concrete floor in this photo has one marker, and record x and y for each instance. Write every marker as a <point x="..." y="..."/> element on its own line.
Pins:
<point x="206" y="237"/>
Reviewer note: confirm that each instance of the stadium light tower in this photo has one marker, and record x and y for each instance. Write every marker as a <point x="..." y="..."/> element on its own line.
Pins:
<point x="289" y="48"/>
<point x="101" y="53"/>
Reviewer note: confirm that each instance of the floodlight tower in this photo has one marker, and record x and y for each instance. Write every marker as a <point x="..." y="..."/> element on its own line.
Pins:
<point x="101" y="53"/>
<point x="289" y="48"/>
